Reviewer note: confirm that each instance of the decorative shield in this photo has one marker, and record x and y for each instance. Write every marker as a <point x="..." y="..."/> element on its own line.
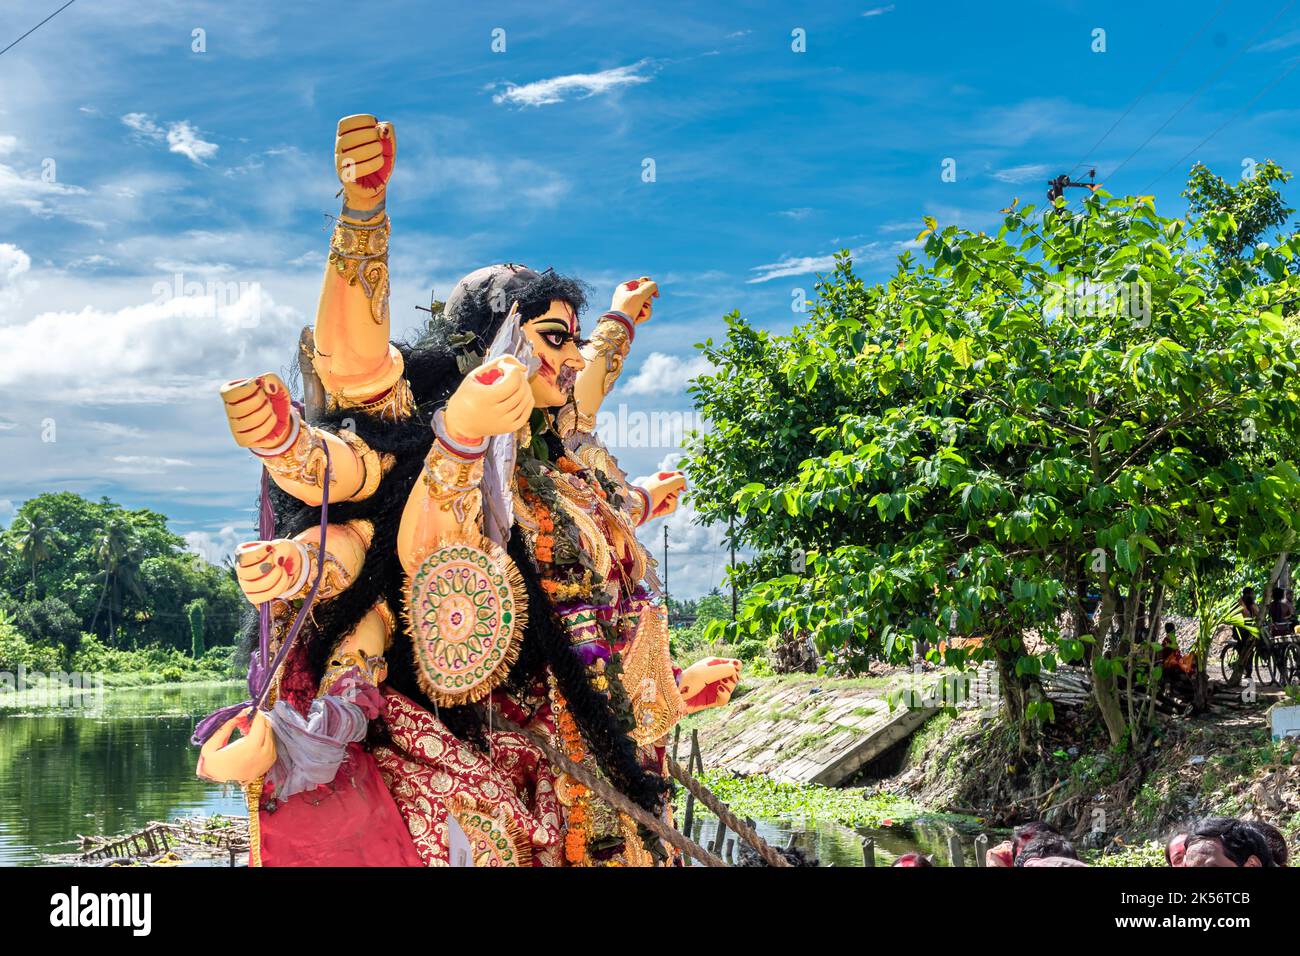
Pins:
<point x="466" y="606"/>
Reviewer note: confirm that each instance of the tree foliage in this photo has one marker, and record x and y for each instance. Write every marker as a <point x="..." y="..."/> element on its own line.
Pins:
<point x="69" y="566"/>
<point x="1002" y="436"/>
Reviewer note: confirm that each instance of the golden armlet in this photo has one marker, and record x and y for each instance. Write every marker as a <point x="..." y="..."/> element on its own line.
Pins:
<point x="359" y="251"/>
<point x="394" y="405"/>
<point x="334" y="581"/>
<point x="612" y="340"/>
<point x="452" y="474"/>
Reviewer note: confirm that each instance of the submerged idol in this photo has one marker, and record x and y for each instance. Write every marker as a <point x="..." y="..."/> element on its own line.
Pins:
<point x="476" y="559"/>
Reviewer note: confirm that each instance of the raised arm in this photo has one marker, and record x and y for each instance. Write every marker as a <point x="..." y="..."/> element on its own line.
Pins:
<point x="495" y="399"/>
<point x="609" y="345"/>
<point x="263" y="420"/>
<point x="357" y="364"/>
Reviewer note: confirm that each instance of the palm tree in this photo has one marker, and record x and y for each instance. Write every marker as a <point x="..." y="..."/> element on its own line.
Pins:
<point x="112" y="550"/>
<point x="37" y="540"/>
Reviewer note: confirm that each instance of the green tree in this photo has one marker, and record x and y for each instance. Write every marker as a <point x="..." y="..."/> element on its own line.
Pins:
<point x="712" y="607"/>
<point x="48" y="621"/>
<point x="37" y="541"/>
<point x="195" y="611"/>
<point x="114" y="549"/>
<point x="1082" y="403"/>
<point x="1237" y="214"/>
<point x="123" y="573"/>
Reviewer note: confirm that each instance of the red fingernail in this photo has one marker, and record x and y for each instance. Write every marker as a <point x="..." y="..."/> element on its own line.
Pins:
<point x="631" y="286"/>
<point x="490" y="376"/>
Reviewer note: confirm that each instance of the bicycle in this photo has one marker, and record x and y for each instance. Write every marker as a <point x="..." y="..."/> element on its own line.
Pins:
<point x="1272" y="658"/>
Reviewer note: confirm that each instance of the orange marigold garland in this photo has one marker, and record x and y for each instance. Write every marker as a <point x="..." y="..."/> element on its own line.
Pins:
<point x="575" y="796"/>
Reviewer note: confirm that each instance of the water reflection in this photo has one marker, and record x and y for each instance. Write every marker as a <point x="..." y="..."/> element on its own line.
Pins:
<point x="106" y="769"/>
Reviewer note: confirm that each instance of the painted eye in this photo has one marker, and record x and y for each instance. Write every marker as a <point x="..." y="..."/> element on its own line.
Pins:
<point x="555" y="340"/>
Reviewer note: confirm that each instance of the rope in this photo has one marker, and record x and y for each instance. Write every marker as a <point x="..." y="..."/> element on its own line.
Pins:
<point x="723" y="813"/>
<point x="613" y="797"/>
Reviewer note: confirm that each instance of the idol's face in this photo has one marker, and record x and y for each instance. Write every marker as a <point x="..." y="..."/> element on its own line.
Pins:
<point x="554" y="338"/>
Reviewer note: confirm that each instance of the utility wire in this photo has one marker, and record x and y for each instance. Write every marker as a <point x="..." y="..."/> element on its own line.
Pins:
<point x="1147" y="89"/>
<point x="1202" y="88"/>
<point x="1241" y="109"/>
<point x="37" y="27"/>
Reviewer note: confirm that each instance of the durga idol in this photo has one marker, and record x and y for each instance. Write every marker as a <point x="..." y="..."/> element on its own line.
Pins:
<point x="465" y="546"/>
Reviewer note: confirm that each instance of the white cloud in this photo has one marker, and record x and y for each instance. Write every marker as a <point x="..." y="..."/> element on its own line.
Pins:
<point x="14" y="264"/>
<point x="662" y="374"/>
<point x="181" y="136"/>
<point x="807" y="265"/>
<point x="215" y="547"/>
<point x="483" y="183"/>
<point x="878" y="11"/>
<point x="116" y="430"/>
<point x="184" y="139"/>
<point x="793" y="266"/>
<point x="172" y="348"/>
<point x="1283" y="42"/>
<point x="1022" y="174"/>
<point x="147" y="464"/>
<point x="579" y="85"/>
<point x="8" y="144"/>
<point x="35" y="193"/>
<point x="803" y="212"/>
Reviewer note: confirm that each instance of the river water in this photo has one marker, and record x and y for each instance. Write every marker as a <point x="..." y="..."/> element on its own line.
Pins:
<point x="103" y="764"/>
<point x="112" y="762"/>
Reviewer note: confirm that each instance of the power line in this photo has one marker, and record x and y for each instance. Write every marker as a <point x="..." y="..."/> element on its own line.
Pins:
<point x="37" y="27"/>
<point x="1241" y="109"/>
<point x="1202" y="88"/>
<point x="1147" y="89"/>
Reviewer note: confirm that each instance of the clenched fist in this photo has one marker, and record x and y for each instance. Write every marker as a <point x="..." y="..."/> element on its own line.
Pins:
<point x="665" y="488"/>
<point x="260" y="410"/>
<point x="364" y="153"/>
<point x="494" y="399"/>
<point x="632" y="298"/>
<point x="267" y="570"/>
<point x="709" y="683"/>
<point x="248" y="758"/>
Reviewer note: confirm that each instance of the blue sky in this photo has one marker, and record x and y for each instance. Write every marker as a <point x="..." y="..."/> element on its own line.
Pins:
<point x="128" y="159"/>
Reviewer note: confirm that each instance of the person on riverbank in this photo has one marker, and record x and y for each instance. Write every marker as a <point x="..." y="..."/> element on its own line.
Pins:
<point x="1048" y="849"/>
<point x="1176" y="849"/>
<point x="1226" y="842"/>
<point x="912" y="859"/>
<point x="1006" y="852"/>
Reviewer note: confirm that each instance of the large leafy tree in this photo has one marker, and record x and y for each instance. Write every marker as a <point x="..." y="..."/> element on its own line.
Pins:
<point x="1058" y="419"/>
<point x="121" y="574"/>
